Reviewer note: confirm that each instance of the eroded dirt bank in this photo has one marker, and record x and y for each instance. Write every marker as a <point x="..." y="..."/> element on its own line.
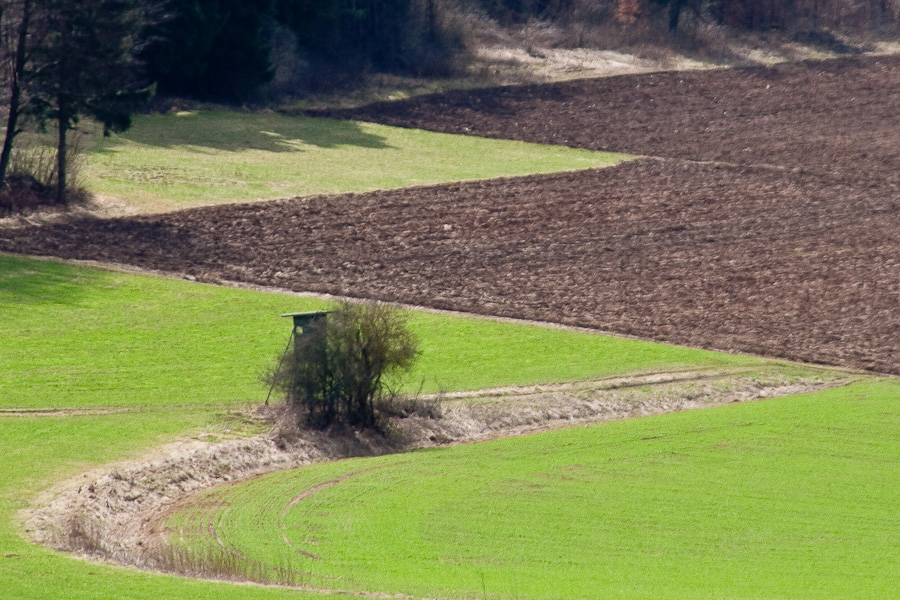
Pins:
<point x="120" y="515"/>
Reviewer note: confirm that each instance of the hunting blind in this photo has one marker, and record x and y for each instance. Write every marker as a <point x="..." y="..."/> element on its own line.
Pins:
<point x="304" y="324"/>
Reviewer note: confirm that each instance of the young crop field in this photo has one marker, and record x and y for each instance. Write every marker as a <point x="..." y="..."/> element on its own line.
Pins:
<point x="758" y="500"/>
<point x="81" y="337"/>
<point x="761" y="218"/>
<point x="100" y="366"/>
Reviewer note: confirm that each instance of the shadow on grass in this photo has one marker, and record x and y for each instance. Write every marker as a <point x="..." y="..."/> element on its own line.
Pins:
<point x="27" y="281"/>
<point x="237" y="132"/>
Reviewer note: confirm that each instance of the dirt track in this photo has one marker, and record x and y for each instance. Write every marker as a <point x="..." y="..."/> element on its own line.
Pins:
<point x="800" y="260"/>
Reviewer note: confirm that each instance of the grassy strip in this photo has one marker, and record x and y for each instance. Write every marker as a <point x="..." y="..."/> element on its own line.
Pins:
<point x="789" y="498"/>
<point x="85" y="337"/>
<point x="80" y="337"/>
<point x="196" y="158"/>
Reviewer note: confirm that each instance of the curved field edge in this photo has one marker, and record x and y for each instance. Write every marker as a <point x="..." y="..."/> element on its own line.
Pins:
<point x="75" y="336"/>
<point x="779" y="264"/>
<point x="39" y="450"/>
<point x="791" y="497"/>
<point x="114" y="515"/>
<point x="172" y="161"/>
<point x="755" y="115"/>
<point x="117" y="364"/>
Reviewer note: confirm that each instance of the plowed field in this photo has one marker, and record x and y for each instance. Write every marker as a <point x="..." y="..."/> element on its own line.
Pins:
<point x="837" y="118"/>
<point x="794" y="252"/>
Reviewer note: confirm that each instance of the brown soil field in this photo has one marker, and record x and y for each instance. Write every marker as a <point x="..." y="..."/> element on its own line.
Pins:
<point x="742" y="258"/>
<point x="836" y="118"/>
<point x="795" y="257"/>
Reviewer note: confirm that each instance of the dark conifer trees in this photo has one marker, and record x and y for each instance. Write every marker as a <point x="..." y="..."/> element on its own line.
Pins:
<point x="67" y="59"/>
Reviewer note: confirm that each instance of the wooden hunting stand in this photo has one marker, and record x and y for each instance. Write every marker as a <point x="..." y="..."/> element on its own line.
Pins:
<point x="304" y="324"/>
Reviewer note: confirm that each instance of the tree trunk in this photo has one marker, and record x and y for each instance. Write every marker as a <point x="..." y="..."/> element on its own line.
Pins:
<point x="15" y="91"/>
<point x="63" y="107"/>
<point x="674" y="14"/>
<point x="63" y="128"/>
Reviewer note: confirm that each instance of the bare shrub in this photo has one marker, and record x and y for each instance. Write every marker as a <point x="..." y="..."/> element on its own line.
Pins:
<point x="290" y="69"/>
<point x="337" y="373"/>
<point x="23" y="193"/>
<point x="32" y="178"/>
<point x="436" y="39"/>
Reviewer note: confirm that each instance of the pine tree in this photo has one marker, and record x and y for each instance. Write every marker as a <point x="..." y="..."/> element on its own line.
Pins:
<point x="82" y="64"/>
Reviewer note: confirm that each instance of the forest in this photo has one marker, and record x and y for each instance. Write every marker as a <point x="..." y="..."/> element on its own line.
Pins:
<point x="232" y="50"/>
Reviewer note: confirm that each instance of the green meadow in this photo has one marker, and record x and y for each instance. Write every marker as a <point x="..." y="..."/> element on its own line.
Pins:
<point x="177" y="359"/>
<point x="75" y="336"/>
<point x="166" y="162"/>
<point x="788" y="498"/>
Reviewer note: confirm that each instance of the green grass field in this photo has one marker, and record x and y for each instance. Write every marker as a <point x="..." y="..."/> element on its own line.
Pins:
<point x="34" y="452"/>
<point x="789" y="498"/>
<point x="178" y="357"/>
<point x="196" y="158"/>
<point x="84" y="337"/>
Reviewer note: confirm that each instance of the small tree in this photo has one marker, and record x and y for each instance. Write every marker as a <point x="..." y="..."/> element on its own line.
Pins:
<point x="16" y="29"/>
<point x="337" y="373"/>
<point x="83" y="64"/>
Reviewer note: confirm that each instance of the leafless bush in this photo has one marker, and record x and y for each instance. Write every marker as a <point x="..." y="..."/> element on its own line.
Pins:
<point x="437" y="40"/>
<point x="31" y="182"/>
<point x="336" y="372"/>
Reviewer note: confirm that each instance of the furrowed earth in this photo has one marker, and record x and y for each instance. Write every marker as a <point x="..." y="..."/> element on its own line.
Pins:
<point x="834" y="118"/>
<point x="768" y="224"/>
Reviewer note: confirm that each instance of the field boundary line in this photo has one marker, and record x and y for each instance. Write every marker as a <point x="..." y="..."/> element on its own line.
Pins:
<point x="132" y="270"/>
